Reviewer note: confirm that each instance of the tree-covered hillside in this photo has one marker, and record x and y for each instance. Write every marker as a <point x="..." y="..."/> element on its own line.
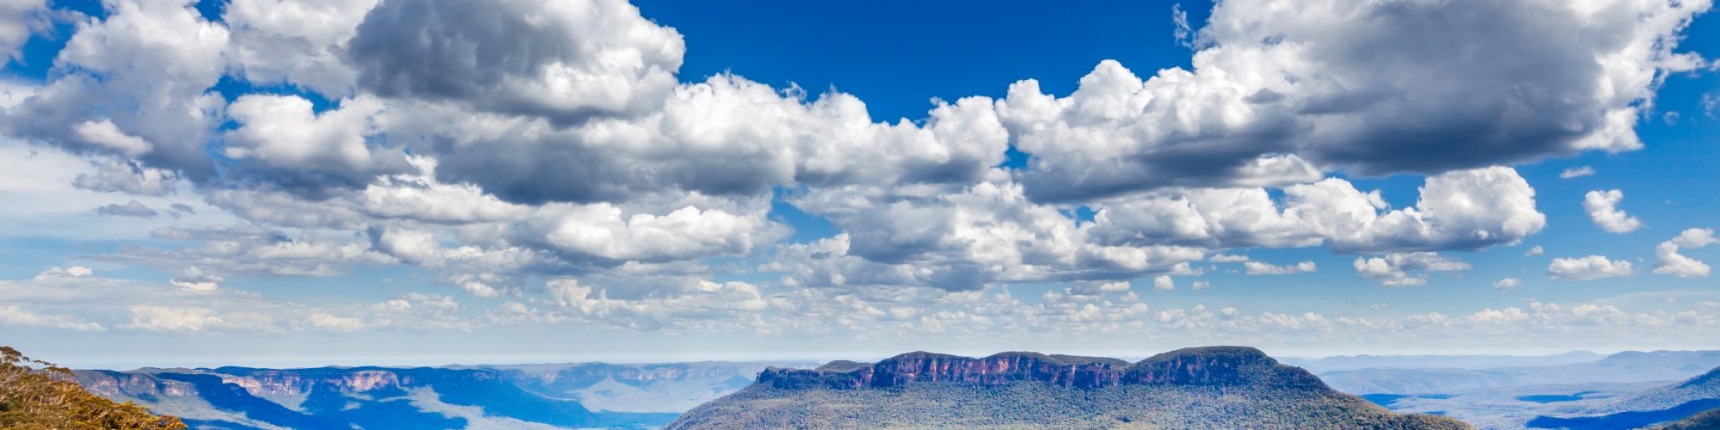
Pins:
<point x="36" y="394"/>
<point x="1703" y="421"/>
<point x="1210" y="388"/>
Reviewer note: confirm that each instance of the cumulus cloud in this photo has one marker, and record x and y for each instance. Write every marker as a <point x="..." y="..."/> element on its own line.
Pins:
<point x="283" y="135"/>
<point x="134" y="86"/>
<point x="336" y="323"/>
<point x="12" y="316"/>
<point x="699" y="300"/>
<point x="128" y="177"/>
<point x="194" y="279"/>
<point x="1164" y="283"/>
<point x="164" y="319"/>
<point x="1577" y="172"/>
<point x="1325" y="83"/>
<point x="1587" y="268"/>
<point x="961" y="240"/>
<point x="18" y="19"/>
<point x="251" y="251"/>
<point x="723" y="137"/>
<point x="1673" y="263"/>
<point x="1259" y="268"/>
<point x="130" y="208"/>
<point x="1227" y="258"/>
<point x="564" y="60"/>
<point x="505" y="144"/>
<point x="1466" y="209"/>
<point x="296" y="42"/>
<point x="1406" y="269"/>
<point x="1537" y="250"/>
<point x="75" y="298"/>
<point x="65" y="272"/>
<point x="1507" y="283"/>
<point x="1602" y="207"/>
<point x="1100" y="288"/>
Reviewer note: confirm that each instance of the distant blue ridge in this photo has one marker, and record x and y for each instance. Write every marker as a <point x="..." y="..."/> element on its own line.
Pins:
<point x="1625" y="420"/>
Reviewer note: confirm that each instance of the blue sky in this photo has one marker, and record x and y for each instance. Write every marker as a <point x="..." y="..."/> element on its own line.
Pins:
<point x="331" y="182"/>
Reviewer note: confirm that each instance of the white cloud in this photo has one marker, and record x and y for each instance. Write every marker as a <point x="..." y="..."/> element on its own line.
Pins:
<point x="700" y="299"/>
<point x="1164" y="283"/>
<point x="1100" y="288"/>
<point x="421" y="197"/>
<point x="134" y="87"/>
<point x="108" y="136"/>
<point x="1576" y="172"/>
<point x="501" y="144"/>
<point x="1300" y="78"/>
<point x="1406" y="269"/>
<point x="194" y="279"/>
<point x="1507" y="283"/>
<point x="12" y="316"/>
<point x="18" y="19"/>
<point x="560" y="59"/>
<point x="1467" y="209"/>
<point x="52" y="193"/>
<point x="131" y="208"/>
<point x="1586" y="268"/>
<point x="1227" y="258"/>
<point x="66" y="272"/>
<point x="298" y="42"/>
<point x="174" y="320"/>
<point x="1602" y="207"/>
<point x="1200" y="285"/>
<point x="336" y="323"/>
<point x="282" y="132"/>
<point x="604" y="231"/>
<point x="1537" y="250"/>
<point x="76" y="299"/>
<point x="1674" y="264"/>
<point x="1259" y="268"/>
<point x="221" y="252"/>
<point x="128" y="177"/>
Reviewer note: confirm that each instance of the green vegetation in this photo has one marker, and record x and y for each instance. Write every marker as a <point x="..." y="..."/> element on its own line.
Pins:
<point x="1703" y="421"/>
<point x="35" y="394"/>
<point x="1193" y="388"/>
<point x="1033" y="405"/>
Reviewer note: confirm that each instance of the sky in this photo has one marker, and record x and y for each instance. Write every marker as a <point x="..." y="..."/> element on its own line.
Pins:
<point x="382" y="182"/>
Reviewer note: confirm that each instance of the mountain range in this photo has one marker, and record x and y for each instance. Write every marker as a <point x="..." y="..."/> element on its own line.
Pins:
<point x="1447" y="377"/>
<point x="1195" y="388"/>
<point x="1656" y="406"/>
<point x="1323" y="365"/>
<point x="1217" y="387"/>
<point x="581" y="395"/>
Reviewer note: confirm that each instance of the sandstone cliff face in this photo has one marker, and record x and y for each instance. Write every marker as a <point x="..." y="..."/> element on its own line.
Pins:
<point x="256" y="382"/>
<point x="295" y="382"/>
<point x="1213" y="366"/>
<point x="112" y="384"/>
<point x="995" y="369"/>
<point x="560" y="380"/>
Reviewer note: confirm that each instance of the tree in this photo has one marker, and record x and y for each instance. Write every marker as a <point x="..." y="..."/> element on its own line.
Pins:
<point x="36" y="394"/>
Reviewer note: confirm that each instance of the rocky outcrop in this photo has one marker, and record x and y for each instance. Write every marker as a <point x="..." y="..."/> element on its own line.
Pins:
<point x="268" y="382"/>
<point x="567" y="380"/>
<point x="1215" y="366"/>
<point x="136" y="385"/>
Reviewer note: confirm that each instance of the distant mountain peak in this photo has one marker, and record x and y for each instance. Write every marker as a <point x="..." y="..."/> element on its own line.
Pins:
<point x="1220" y="365"/>
<point x="1209" y="387"/>
<point x="1710" y="379"/>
